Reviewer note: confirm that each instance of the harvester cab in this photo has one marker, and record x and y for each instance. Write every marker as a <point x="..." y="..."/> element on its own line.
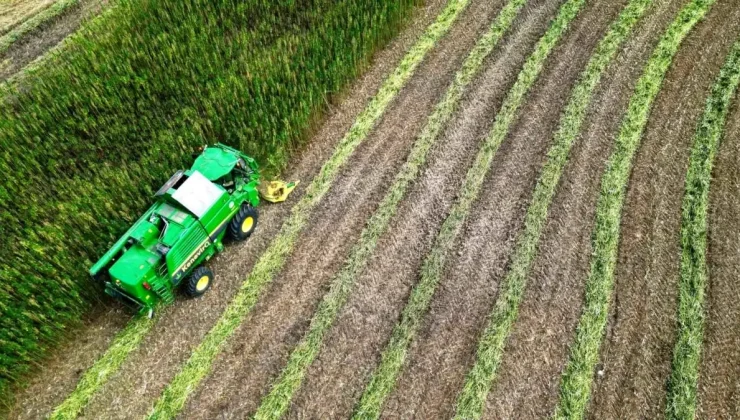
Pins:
<point x="194" y="210"/>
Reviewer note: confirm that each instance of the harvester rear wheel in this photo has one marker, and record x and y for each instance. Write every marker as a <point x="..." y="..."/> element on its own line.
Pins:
<point x="243" y="223"/>
<point x="199" y="282"/>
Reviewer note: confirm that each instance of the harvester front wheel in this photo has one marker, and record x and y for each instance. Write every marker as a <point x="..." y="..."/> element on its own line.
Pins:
<point x="199" y="282"/>
<point x="243" y="223"/>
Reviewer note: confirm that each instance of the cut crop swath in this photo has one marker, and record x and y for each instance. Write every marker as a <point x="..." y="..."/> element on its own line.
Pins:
<point x="392" y="360"/>
<point x="91" y="133"/>
<point x="7" y="40"/>
<point x="271" y="262"/>
<point x="479" y="380"/>
<point x="278" y="400"/>
<point x="575" y="386"/>
<point x="694" y="274"/>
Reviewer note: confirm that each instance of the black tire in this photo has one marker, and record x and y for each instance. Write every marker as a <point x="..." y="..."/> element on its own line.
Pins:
<point x="194" y="284"/>
<point x="243" y="223"/>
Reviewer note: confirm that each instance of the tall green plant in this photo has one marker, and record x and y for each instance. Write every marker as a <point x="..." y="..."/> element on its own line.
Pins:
<point x="87" y="138"/>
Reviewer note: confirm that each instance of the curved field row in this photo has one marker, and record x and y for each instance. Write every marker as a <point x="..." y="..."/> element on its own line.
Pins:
<point x="635" y="361"/>
<point x="15" y="12"/>
<point x="392" y="360"/>
<point x="34" y="22"/>
<point x="694" y="277"/>
<point x="338" y="124"/>
<point x="575" y="388"/>
<point x="719" y="371"/>
<point x="276" y="402"/>
<point x="490" y="350"/>
<point x="336" y="380"/>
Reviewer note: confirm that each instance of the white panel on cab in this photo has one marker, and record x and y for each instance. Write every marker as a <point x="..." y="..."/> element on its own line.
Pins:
<point x="198" y="194"/>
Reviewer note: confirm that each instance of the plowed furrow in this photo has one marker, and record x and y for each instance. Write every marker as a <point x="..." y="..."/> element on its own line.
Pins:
<point x="719" y="372"/>
<point x="636" y="358"/>
<point x="260" y="348"/>
<point x="336" y="379"/>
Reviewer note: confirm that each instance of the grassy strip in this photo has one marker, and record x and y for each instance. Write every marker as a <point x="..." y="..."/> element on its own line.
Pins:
<point x="491" y="346"/>
<point x="7" y="40"/>
<point x="575" y="387"/>
<point x="384" y="378"/>
<point x="271" y="262"/>
<point x="694" y="275"/>
<point x="125" y="342"/>
<point x="278" y="400"/>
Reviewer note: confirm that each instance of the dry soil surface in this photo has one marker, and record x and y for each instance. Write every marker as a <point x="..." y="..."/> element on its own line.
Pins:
<point x="719" y="375"/>
<point x="636" y="357"/>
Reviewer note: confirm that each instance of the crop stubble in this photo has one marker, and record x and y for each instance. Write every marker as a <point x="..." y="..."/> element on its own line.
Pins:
<point x="261" y="346"/>
<point x="636" y="357"/>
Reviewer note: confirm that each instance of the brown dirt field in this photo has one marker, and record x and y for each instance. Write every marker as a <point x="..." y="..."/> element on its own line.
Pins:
<point x="536" y="352"/>
<point x="15" y="12"/>
<point x="450" y="334"/>
<point x="168" y="345"/>
<point x="49" y="34"/>
<point x="261" y="346"/>
<point x="636" y="356"/>
<point x="719" y="374"/>
<point x="352" y="347"/>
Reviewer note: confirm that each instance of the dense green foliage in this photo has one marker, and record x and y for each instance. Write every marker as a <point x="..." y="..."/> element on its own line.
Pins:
<point x="491" y="346"/>
<point x="91" y="134"/>
<point x="683" y="382"/>
<point x="575" y="385"/>
<point x="273" y="259"/>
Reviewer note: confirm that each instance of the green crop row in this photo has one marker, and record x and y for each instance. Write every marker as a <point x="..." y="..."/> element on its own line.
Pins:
<point x="694" y="274"/>
<point x="7" y="40"/>
<point x="394" y="355"/>
<point x="89" y="135"/>
<point x="278" y="400"/>
<point x="272" y="261"/>
<point x="492" y="343"/>
<point x="575" y="386"/>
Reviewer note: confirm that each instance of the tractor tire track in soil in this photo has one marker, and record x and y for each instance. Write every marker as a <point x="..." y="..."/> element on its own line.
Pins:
<point x="337" y="377"/>
<point x="448" y="339"/>
<point x="536" y="352"/>
<point x="261" y="346"/>
<point x="719" y="373"/>
<point x="171" y="341"/>
<point x="636" y="356"/>
<point x="49" y="34"/>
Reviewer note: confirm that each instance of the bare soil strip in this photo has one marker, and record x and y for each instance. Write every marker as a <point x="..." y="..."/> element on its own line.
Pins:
<point x="719" y="373"/>
<point x="681" y="401"/>
<point x="335" y="380"/>
<point x="161" y="350"/>
<point x="281" y="394"/>
<point x="537" y="348"/>
<point x="50" y="33"/>
<point x="15" y="12"/>
<point x="262" y="345"/>
<point x="576" y="382"/>
<point x="636" y="357"/>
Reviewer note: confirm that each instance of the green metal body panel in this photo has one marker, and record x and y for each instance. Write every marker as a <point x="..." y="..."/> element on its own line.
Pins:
<point x="184" y="228"/>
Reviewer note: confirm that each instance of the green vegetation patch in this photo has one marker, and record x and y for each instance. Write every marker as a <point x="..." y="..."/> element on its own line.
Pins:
<point x="125" y="342"/>
<point x="392" y="360"/>
<point x="271" y="262"/>
<point x="275" y="404"/>
<point x="479" y="380"/>
<point x="694" y="274"/>
<point x="7" y="40"/>
<point x="91" y="134"/>
<point x="575" y="386"/>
